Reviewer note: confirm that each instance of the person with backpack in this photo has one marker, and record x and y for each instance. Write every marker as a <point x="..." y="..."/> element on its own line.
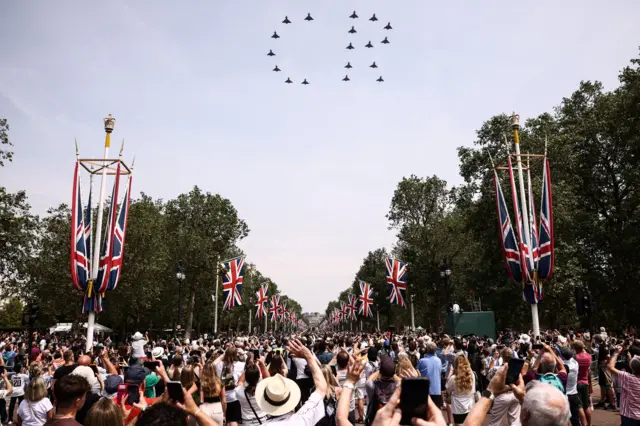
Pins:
<point x="380" y="387"/>
<point x="550" y="369"/>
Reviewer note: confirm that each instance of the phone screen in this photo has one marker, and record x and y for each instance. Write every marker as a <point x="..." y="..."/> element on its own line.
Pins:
<point x="256" y="354"/>
<point x="515" y="367"/>
<point x="133" y="394"/>
<point x="151" y="365"/>
<point x="537" y="346"/>
<point x="414" y="399"/>
<point x="175" y="391"/>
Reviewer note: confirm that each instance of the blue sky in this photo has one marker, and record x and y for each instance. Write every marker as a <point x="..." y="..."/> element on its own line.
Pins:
<point x="310" y="168"/>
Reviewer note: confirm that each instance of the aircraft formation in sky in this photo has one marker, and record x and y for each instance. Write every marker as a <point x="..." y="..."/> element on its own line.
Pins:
<point x="349" y="47"/>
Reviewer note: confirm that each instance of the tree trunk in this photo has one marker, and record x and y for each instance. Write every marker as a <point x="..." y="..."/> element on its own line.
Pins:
<point x="192" y="303"/>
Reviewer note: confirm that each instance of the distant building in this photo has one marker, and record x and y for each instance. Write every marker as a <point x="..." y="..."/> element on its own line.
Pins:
<point x="314" y="318"/>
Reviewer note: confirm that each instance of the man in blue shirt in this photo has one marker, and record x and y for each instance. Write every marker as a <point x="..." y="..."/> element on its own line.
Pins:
<point x="430" y="366"/>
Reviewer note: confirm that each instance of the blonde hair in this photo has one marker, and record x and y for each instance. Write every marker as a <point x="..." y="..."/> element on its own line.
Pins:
<point x="332" y="382"/>
<point x="405" y="368"/>
<point x="188" y="376"/>
<point x="36" y="390"/>
<point x="210" y="382"/>
<point x="464" y="376"/>
<point x="35" y="370"/>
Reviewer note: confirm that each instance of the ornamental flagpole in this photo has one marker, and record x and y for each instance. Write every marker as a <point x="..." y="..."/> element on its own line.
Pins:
<point x="525" y="218"/>
<point x="215" y="321"/>
<point x="109" y="123"/>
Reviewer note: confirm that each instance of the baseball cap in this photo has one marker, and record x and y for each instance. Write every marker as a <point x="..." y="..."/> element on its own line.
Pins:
<point x="136" y="374"/>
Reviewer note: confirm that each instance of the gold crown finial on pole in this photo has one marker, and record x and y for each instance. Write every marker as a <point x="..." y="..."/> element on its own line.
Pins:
<point x="109" y="123"/>
<point x="515" y="120"/>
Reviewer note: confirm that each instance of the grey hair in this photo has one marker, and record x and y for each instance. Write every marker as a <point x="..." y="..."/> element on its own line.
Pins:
<point x="635" y="364"/>
<point x="547" y="364"/>
<point x="544" y="405"/>
<point x="431" y="348"/>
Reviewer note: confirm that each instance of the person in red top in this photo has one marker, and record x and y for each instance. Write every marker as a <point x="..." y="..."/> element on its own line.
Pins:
<point x="584" y="382"/>
<point x="34" y="353"/>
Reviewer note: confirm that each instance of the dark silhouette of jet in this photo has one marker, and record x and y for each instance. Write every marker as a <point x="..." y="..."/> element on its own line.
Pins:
<point x="369" y="45"/>
<point x="308" y="18"/>
<point x="305" y="81"/>
<point x="373" y="65"/>
<point x="276" y="69"/>
<point x="271" y="53"/>
<point x="346" y="78"/>
<point x="275" y="35"/>
<point x="352" y="30"/>
<point x="288" y="81"/>
<point x="388" y="27"/>
<point x="353" y="15"/>
<point x="286" y="20"/>
<point x="385" y="41"/>
<point x="373" y="18"/>
<point x="350" y="46"/>
<point x="380" y="80"/>
<point x="348" y="65"/>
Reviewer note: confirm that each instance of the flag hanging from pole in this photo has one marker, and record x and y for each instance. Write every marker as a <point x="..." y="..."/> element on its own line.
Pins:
<point x="510" y="250"/>
<point x="353" y="307"/>
<point x="275" y="307"/>
<point x="343" y="312"/>
<point x="117" y="239"/>
<point x="102" y="281"/>
<point x="88" y="231"/>
<point x="545" y="263"/>
<point x="261" y="300"/>
<point x="533" y="227"/>
<point x="396" y="281"/>
<point x="366" y="299"/>
<point x="526" y="260"/>
<point x="79" y="257"/>
<point x="232" y="281"/>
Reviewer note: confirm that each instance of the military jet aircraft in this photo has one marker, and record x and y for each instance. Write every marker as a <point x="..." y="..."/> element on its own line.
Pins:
<point x="352" y="30"/>
<point x="288" y="81"/>
<point x="305" y="81"/>
<point x="369" y="45"/>
<point x="275" y="35"/>
<point x="271" y="53"/>
<point x="373" y="65"/>
<point x="388" y="27"/>
<point x="373" y="18"/>
<point x="350" y="46"/>
<point x="346" y="78"/>
<point x="385" y="41"/>
<point x="348" y="65"/>
<point x="380" y="80"/>
<point x="276" y="69"/>
<point x="353" y="15"/>
<point x="286" y="20"/>
<point x="308" y="18"/>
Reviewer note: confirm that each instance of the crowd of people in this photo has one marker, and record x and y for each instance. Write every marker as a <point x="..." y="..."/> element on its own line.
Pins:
<point x="322" y="378"/>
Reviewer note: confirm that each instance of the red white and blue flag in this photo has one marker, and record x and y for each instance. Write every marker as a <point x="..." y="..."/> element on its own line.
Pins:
<point x="88" y="231"/>
<point x="261" y="300"/>
<point x="344" y="314"/>
<point x="507" y="236"/>
<point x="117" y="240"/>
<point x="545" y="263"/>
<point x="275" y="308"/>
<point x="232" y="281"/>
<point x="526" y="259"/>
<point x="366" y="299"/>
<point x="396" y="281"/>
<point x="102" y="281"/>
<point x="533" y="227"/>
<point x="352" y="307"/>
<point x="284" y="314"/>
<point x="79" y="249"/>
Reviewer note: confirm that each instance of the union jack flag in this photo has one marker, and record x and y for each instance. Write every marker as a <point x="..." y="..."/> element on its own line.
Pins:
<point x="232" y="281"/>
<point x="352" y="307"/>
<point x="261" y="300"/>
<point x="526" y="259"/>
<point x="120" y="231"/>
<point x="545" y="263"/>
<point x="284" y="314"/>
<point x="507" y="236"/>
<point x="366" y="299"/>
<point x="294" y="319"/>
<point x="104" y="269"/>
<point x="79" y="250"/>
<point x="88" y="231"/>
<point x="275" y="308"/>
<point x="533" y="227"/>
<point x="396" y="280"/>
<point x="344" y="314"/>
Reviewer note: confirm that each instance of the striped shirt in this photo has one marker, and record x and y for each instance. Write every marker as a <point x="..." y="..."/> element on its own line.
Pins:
<point x="630" y="395"/>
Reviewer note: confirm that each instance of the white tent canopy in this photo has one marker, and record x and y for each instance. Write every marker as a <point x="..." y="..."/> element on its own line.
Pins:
<point x="65" y="327"/>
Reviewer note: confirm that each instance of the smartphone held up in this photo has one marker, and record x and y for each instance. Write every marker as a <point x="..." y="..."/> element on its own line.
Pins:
<point x="414" y="397"/>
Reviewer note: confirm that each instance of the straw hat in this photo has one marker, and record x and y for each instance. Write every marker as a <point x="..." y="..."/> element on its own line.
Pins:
<point x="277" y="395"/>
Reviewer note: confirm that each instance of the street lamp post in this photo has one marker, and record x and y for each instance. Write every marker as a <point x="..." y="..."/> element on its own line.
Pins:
<point x="445" y="273"/>
<point x="413" y="319"/>
<point x="180" y="277"/>
<point x="375" y="295"/>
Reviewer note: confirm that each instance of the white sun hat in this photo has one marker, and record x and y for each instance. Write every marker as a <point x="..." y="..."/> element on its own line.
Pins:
<point x="277" y="395"/>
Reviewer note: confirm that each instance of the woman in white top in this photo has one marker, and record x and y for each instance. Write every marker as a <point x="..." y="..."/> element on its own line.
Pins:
<point x="229" y="371"/>
<point x="462" y="388"/>
<point x="252" y="415"/>
<point x="36" y="408"/>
